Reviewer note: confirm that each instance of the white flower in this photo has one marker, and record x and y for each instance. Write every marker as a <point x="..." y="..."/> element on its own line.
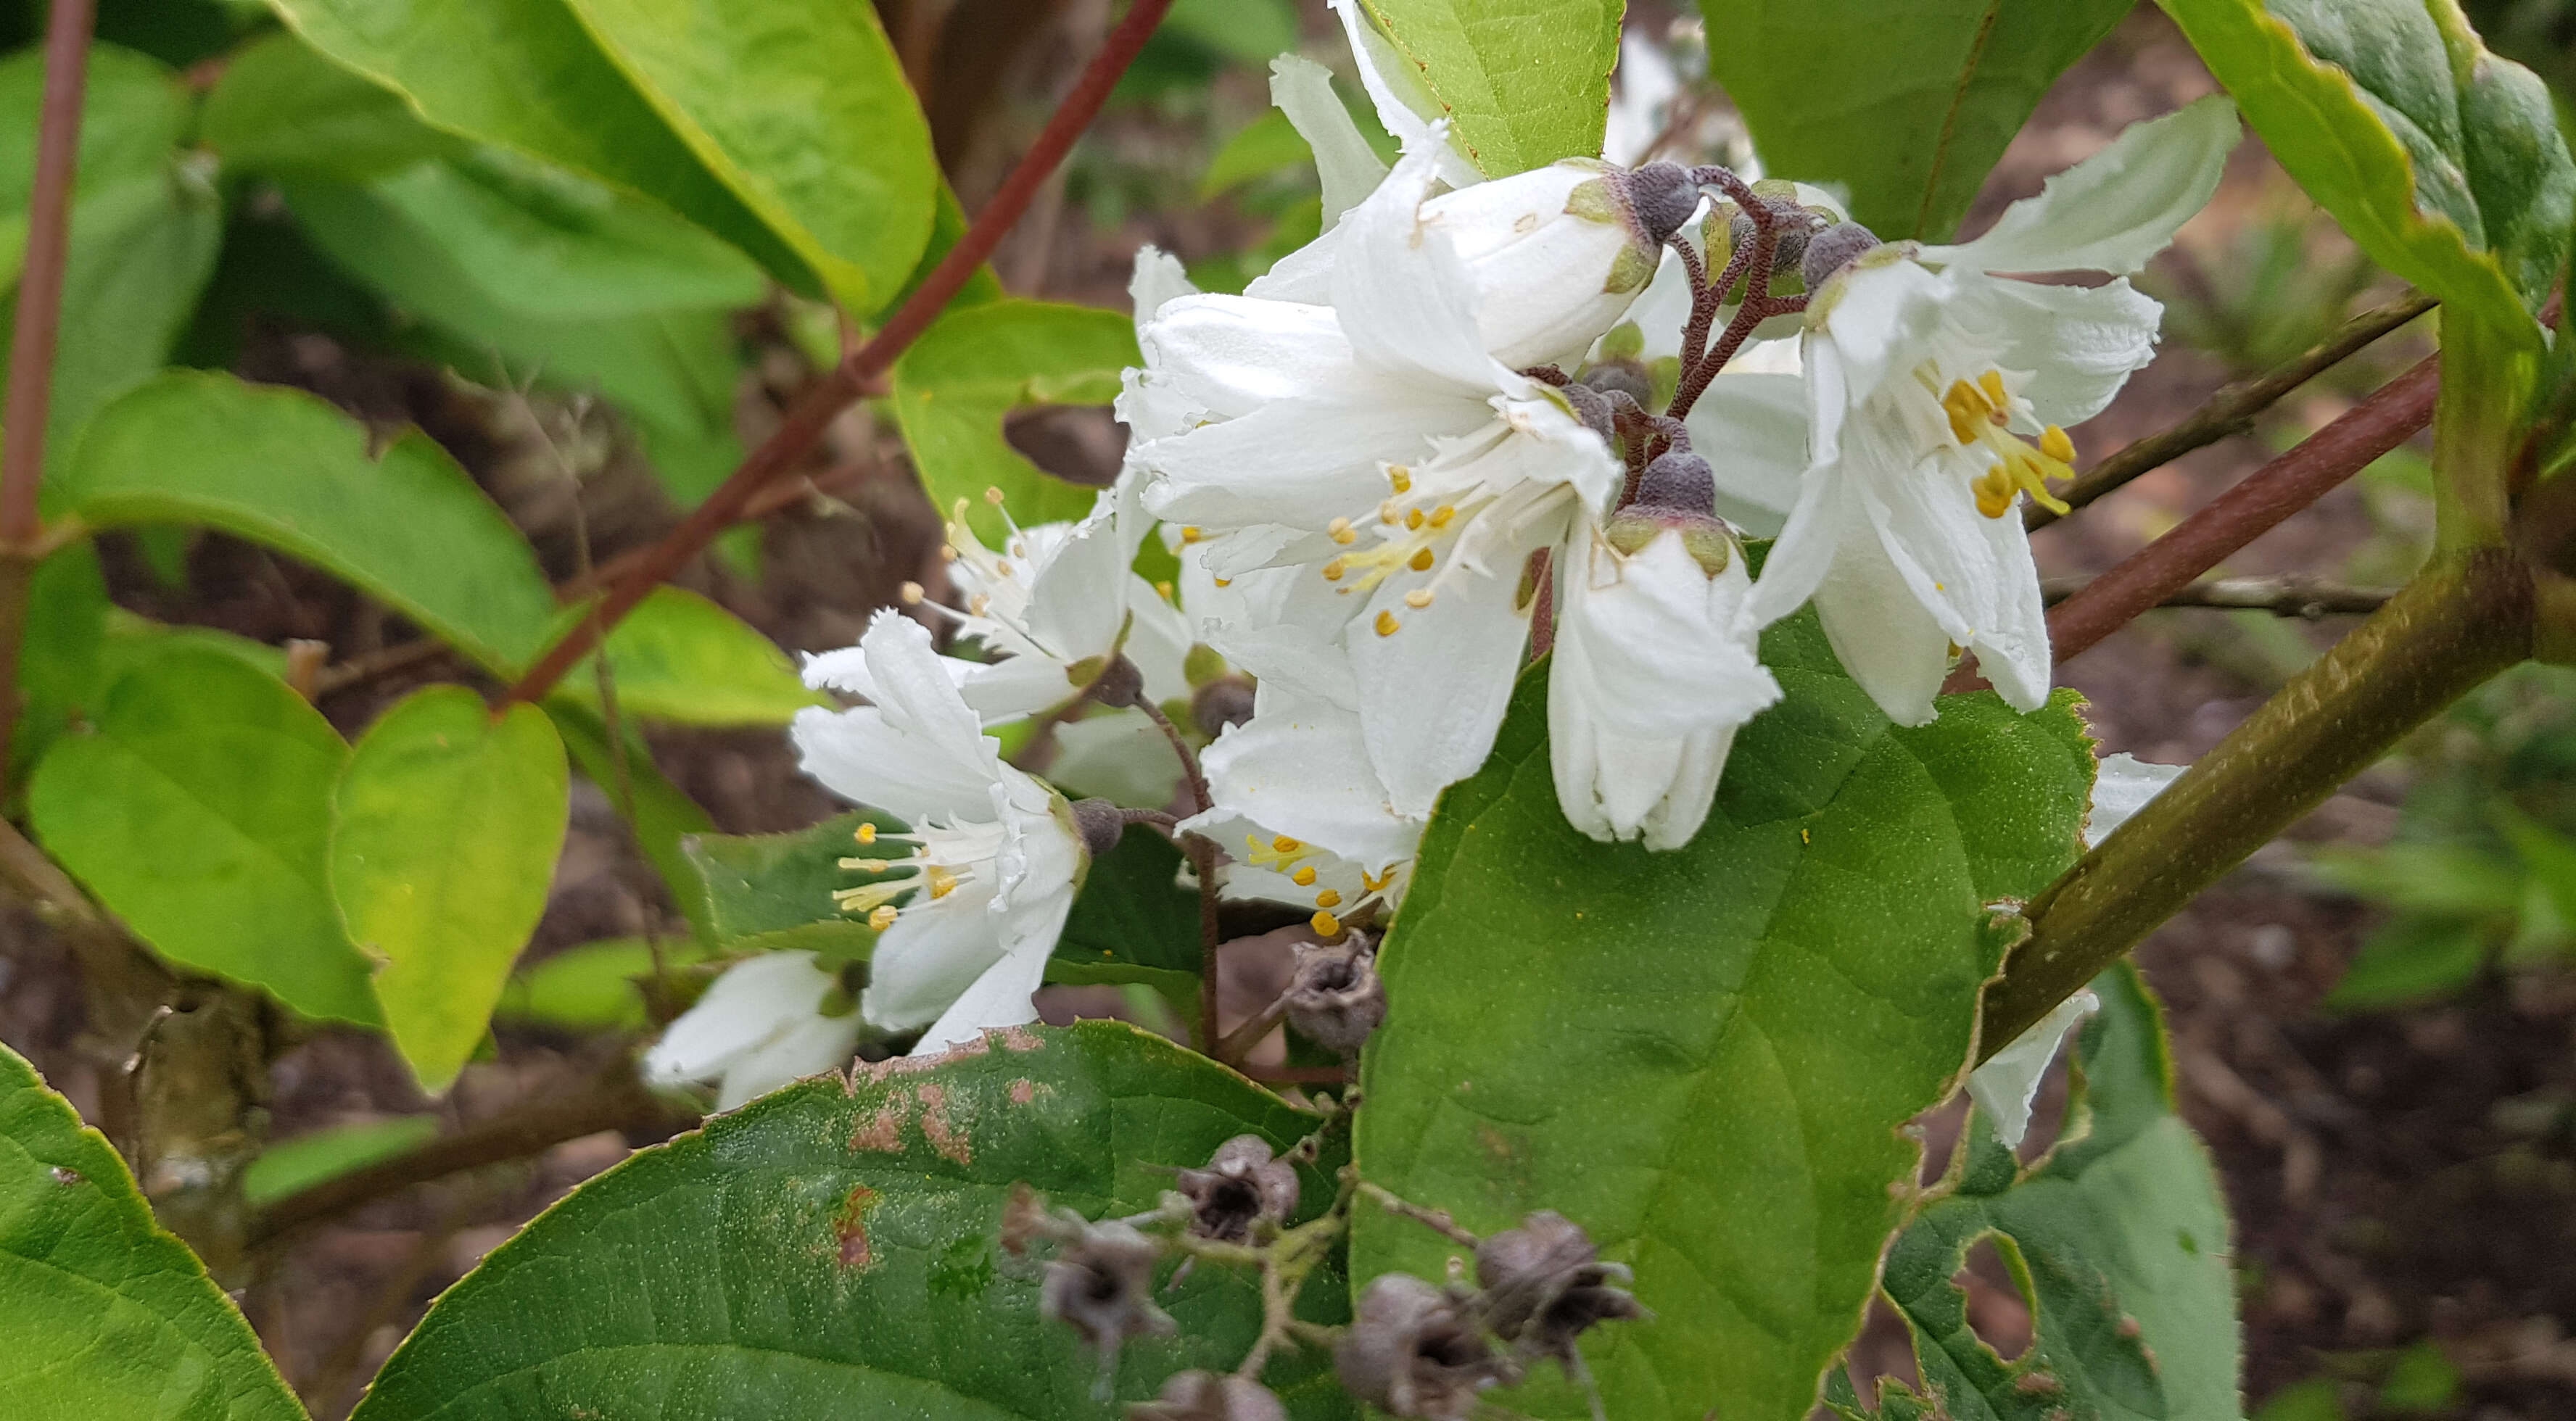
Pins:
<point x="995" y="858"/>
<point x="2008" y="1082"/>
<point x="1938" y="390"/>
<point x="1655" y="668"/>
<point x="761" y="1025"/>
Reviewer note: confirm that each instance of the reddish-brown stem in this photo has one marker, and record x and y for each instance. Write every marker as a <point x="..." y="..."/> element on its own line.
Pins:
<point x="820" y="405"/>
<point x="2386" y="419"/>
<point x="40" y="286"/>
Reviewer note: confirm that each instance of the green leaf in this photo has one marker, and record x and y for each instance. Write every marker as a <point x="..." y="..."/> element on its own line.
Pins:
<point x="295" y="1165"/>
<point x="1523" y="83"/>
<point x="2442" y="161"/>
<point x="800" y="107"/>
<point x="1267" y="145"/>
<point x="448" y="821"/>
<point x="107" y="1315"/>
<point x="977" y="364"/>
<point x="832" y="1250"/>
<point x="1906" y="102"/>
<point x="592" y="987"/>
<point x="2119" y="1241"/>
<point x="1725" y="1038"/>
<point x="682" y="659"/>
<point x="133" y="113"/>
<point x="282" y="109"/>
<point x="286" y="469"/>
<point x="765" y="892"/>
<point x="2416" y="957"/>
<point x="1133" y="922"/>
<point x="659" y="813"/>
<point x="59" y="662"/>
<point x="525" y="75"/>
<point x="198" y="809"/>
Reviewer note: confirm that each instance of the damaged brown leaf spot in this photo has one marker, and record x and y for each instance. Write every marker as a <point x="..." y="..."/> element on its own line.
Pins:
<point x="1024" y="1090"/>
<point x="883" y="1131"/>
<point x="943" y="1136"/>
<point x="878" y="1072"/>
<point x="852" y="1228"/>
<point x="1018" y="1038"/>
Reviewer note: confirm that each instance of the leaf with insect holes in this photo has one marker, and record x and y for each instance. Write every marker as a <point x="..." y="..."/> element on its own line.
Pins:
<point x="831" y="1250"/>
<point x="1734" y="1032"/>
<point x="106" y="1314"/>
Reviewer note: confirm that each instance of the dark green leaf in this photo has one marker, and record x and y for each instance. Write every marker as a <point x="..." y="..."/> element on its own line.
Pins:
<point x="133" y="113"/>
<point x="524" y="75"/>
<point x="978" y="364"/>
<point x="286" y="469"/>
<point x="1721" y="1041"/>
<point x="682" y="659"/>
<point x="106" y="1314"/>
<point x="832" y="1251"/>
<point x="2119" y="1240"/>
<point x="661" y="815"/>
<point x="59" y="664"/>
<point x="1907" y="102"/>
<point x="199" y="811"/>
<point x="2415" y="957"/>
<point x="1523" y="84"/>
<point x="298" y="1164"/>
<point x="769" y="891"/>
<point x="446" y="827"/>
<point x="281" y="108"/>
<point x="1133" y="922"/>
<point x="2442" y="161"/>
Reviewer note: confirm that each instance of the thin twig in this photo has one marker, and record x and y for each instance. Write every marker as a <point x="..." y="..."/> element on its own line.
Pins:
<point x="814" y="413"/>
<point x="2387" y="418"/>
<point x="2306" y="597"/>
<point x="383" y="661"/>
<point x="2230" y="411"/>
<point x="1436" y="1220"/>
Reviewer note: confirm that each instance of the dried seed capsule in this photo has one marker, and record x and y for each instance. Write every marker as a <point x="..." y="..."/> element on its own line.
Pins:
<point x="1241" y="1185"/>
<point x="1102" y="1286"/>
<point x="1206" y="1396"/>
<point x="1335" y="998"/>
<point x="1414" y="1350"/>
<point x="1544" y="1285"/>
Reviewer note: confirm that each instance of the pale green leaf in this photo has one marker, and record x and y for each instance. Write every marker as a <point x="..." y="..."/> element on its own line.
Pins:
<point x="291" y="1166"/>
<point x="281" y="108"/>
<point x="1523" y="82"/>
<point x="977" y="364"/>
<point x="198" y="809"/>
<point x="1905" y="103"/>
<point x="104" y="1314"/>
<point x="832" y="1251"/>
<point x="445" y="830"/>
<point x="682" y="659"/>
<point x="285" y="469"/>
<point x="596" y="986"/>
<point x="659" y="813"/>
<point x="1703" y="1057"/>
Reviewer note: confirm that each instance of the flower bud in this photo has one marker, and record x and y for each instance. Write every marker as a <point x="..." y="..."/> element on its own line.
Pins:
<point x="1242" y="1185"/>
<point x="1832" y="249"/>
<point x="1625" y="377"/>
<point x="1544" y="1285"/>
<point x="1679" y="481"/>
<point x="1593" y="408"/>
<point x="1102" y="1286"/>
<point x="1413" y="1350"/>
<point x="1334" y="997"/>
<point x="1206" y="1396"/>
<point x="1556" y="253"/>
<point x="1119" y="684"/>
<point x="1224" y="701"/>
<point x="1101" y="824"/>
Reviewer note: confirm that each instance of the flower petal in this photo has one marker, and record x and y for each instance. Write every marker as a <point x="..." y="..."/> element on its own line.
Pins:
<point x="2008" y="1082"/>
<point x="2119" y="207"/>
<point x="1157" y="280"/>
<point x="1003" y="994"/>
<point x="1753" y="429"/>
<point x="1300" y="462"/>
<point x="1881" y="632"/>
<point x="1405" y="105"/>
<point x="752" y="1003"/>
<point x="1433" y="693"/>
<point x="934" y="951"/>
<point x="810" y="1047"/>
<point x="2122" y="785"/>
<point x="1405" y="298"/>
<point x="1344" y="162"/>
<point x="2080" y="344"/>
<point x="1300" y="767"/>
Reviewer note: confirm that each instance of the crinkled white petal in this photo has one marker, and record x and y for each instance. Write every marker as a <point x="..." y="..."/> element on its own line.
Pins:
<point x="1298" y="462"/>
<point x="1973" y="574"/>
<point x="755" y="1004"/>
<point x="2008" y="1082"/>
<point x="2122" y="785"/>
<point x="1405" y="104"/>
<point x="920" y="751"/>
<point x="1226" y="356"/>
<point x="1119" y="756"/>
<point x="2080" y="344"/>
<point x="809" y="1047"/>
<point x="1344" y="162"/>
<point x="1158" y="279"/>
<point x="1881" y="633"/>
<point x="934" y="951"/>
<point x="1433" y="694"/>
<point x="2119" y="207"/>
<point x="1002" y="995"/>
<point x="1404" y="296"/>
<point x="1301" y="767"/>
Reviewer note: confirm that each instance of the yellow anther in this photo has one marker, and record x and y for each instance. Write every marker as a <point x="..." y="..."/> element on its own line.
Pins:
<point x="1225" y="582"/>
<point x="1992" y="382"/>
<point x="993" y="495"/>
<point x="1994" y="494"/>
<point x="1328" y="899"/>
<point x="941" y="881"/>
<point x="1164" y="587"/>
<point x="912" y="594"/>
<point x="867" y="834"/>
<point x="1333" y="570"/>
<point x="1192" y="535"/>
<point x="1284" y="845"/>
<point x="1420" y="561"/>
<point x="1304" y="877"/>
<point x="1376" y="883"/>
<point x="1386" y="624"/>
<point x="1400" y="477"/>
<point x="978" y="604"/>
<point x="883" y="918"/>
<point x="1325" y="924"/>
<point x="948" y="552"/>
<point x="1967" y="408"/>
<point x="1340" y="531"/>
<point x="2054" y="443"/>
<point x="1413" y="518"/>
<point x="1386" y="512"/>
<point x="1418" y="598"/>
<point x="1002" y="567"/>
<point x="1440" y="516"/>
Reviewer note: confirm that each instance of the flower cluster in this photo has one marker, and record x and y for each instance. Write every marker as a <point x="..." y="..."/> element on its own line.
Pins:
<point x="1474" y="421"/>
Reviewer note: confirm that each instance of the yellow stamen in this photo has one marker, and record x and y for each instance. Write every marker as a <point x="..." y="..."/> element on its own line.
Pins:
<point x="1413" y="518"/>
<point x="1375" y="883"/>
<point x="1400" y="477"/>
<point x="1328" y="899"/>
<point x="1341" y="532"/>
<point x="1284" y="845"/>
<point x="1418" y="598"/>
<point x="1192" y="535"/>
<point x="1386" y="624"/>
<point x="1002" y="566"/>
<point x="1225" y="582"/>
<point x="883" y="918"/>
<point x="867" y="833"/>
<point x="941" y="881"/>
<point x="1165" y="587"/>
<point x="2054" y="443"/>
<point x="1325" y="924"/>
<point x="1440" y="516"/>
<point x="948" y="552"/>
<point x="978" y="604"/>
<point x="993" y="495"/>
<point x="1992" y="382"/>
<point x="1304" y="877"/>
<point x="1421" y="561"/>
<point x="912" y="594"/>
<point x="1333" y="570"/>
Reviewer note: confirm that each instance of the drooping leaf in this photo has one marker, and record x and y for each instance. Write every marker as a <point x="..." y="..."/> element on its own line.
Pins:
<point x="1523" y="84"/>
<point x="294" y="1165"/>
<point x="2442" y="161"/>
<point x="801" y="108"/>
<point x="826" y="1252"/>
<point x="283" y="468"/>
<point x="682" y="659"/>
<point x="1908" y="102"/>
<point x="445" y="830"/>
<point x="978" y="364"/>
<point x="1133" y="922"/>
<point x="2119" y="1240"/>
<point x="525" y="75"/>
<point x="1726" y="1037"/>
<point x="107" y="1315"/>
<point x="198" y="809"/>
<point x="282" y="109"/>
<point x="765" y="892"/>
<point x="660" y="814"/>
